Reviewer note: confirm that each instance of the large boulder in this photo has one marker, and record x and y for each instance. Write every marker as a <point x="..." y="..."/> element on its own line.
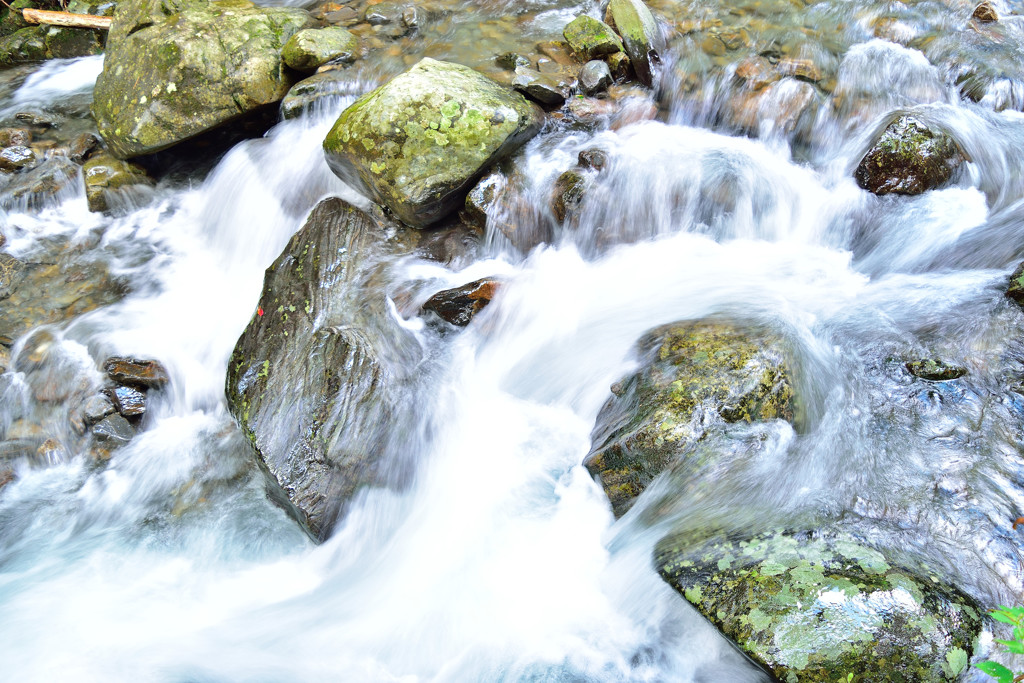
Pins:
<point x="177" y="68"/>
<point x="418" y="143"/>
<point x="693" y="376"/>
<point x="908" y="158"/>
<point x="310" y="380"/>
<point x="815" y="607"/>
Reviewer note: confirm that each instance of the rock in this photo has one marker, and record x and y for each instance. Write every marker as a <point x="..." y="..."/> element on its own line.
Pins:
<point x="311" y="48"/>
<point x="594" y="159"/>
<point x="568" y="194"/>
<point x="694" y="376"/>
<point x="66" y="43"/>
<point x="590" y="38"/>
<point x="558" y="52"/>
<point x="104" y="173"/>
<point x="510" y="60"/>
<point x="458" y="306"/>
<point x="483" y="196"/>
<point x="812" y="607"/>
<point x="24" y="430"/>
<point x="640" y="36"/>
<point x="935" y="370"/>
<point x="908" y="158"/>
<point x="546" y="89"/>
<point x="51" y="452"/>
<point x="113" y="431"/>
<point x="148" y="374"/>
<point x="24" y="45"/>
<point x="129" y="401"/>
<point x="82" y="146"/>
<point x="985" y="13"/>
<point x="41" y="185"/>
<point x="804" y="69"/>
<point x="16" y="158"/>
<point x="595" y="77"/>
<point x="10" y="137"/>
<point x="95" y="408"/>
<point x="177" y="68"/>
<point x="1015" y="290"/>
<point x="418" y="143"/>
<point x="306" y="93"/>
<point x="39" y="119"/>
<point x="310" y="380"/>
<point x="620" y="67"/>
<point x="756" y="72"/>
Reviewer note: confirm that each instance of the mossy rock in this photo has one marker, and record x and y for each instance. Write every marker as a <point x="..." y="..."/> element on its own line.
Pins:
<point x="816" y="607"/>
<point x="640" y="36"/>
<point x="103" y="173"/>
<point x="1015" y="290"/>
<point x="311" y="48"/>
<point x="935" y="370"/>
<point x="590" y="38"/>
<point x="908" y="158"/>
<point x="175" y="69"/>
<point x="10" y="16"/>
<point x="693" y="376"/>
<point x="418" y="143"/>
<point x="24" y="45"/>
<point x="65" y="43"/>
<point x="309" y="381"/>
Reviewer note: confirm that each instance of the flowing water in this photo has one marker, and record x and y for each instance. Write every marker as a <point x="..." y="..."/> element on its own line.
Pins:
<point x="501" y="561"/>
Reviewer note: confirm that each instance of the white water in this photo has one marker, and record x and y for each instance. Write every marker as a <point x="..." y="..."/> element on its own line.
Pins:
<point x="502" y="561"/>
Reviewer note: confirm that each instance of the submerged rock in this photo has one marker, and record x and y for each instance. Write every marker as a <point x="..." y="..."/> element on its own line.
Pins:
<point x="935" y="370"/>
<point x="458" y="306"/>
<point x="693" y="375"/>
<point x="640" y="36"/>
<point x="418" y="143"/>
<point x="104" y="173"/>
<point x="309" y="380"/>
<point x="812" y="608"/>
<point x="177" y="68"/>
<point x="908" y="158"/>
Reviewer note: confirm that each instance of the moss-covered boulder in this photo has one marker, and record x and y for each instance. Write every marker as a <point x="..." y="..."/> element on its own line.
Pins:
<point x="693" y="376"/>
<point x="103" y="173"/>
<point x="177" y="68"/>
<point x="24" y="45"/>
<point x="908" y="158"/>
<point x="640" y="36"/>
<point x="418" y="143"/>
<point x="590" y="38"/>
<point x="311" y="48"/>
<point x="309" y="380"/>
<point x="1015" y="290"/>
<point x="824" y="607"/>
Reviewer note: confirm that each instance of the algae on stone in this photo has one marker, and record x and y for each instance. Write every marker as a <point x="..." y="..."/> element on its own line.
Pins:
<point x="418" y="143"/>
<point x="640" y="36"/>
<point x="311" y="48"/>
<point x="908" y="158"/>
<point x="591" y="38"/>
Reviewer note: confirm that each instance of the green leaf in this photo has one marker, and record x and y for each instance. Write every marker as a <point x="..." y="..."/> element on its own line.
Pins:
<point x="1002" y="616"/>
<point x="1014" y="646"/>
<point x="1018" y="632"/>
<point x="996" y="671"/>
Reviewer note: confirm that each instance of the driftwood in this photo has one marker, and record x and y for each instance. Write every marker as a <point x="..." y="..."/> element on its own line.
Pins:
<point x="42" y="16"/>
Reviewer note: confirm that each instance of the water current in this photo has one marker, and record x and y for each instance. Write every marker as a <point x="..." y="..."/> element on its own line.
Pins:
<point x="502" y="561"/>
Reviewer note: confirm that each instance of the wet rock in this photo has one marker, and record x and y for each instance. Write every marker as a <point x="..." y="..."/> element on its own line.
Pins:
<point x="985" y="13"/>
<point x="590" y="38"/>
<point x="908" y="158"/>
<point x="95" y="408"/>
<point x="82" y="146"/>
<point x="547" y="89"/>
<point x="66" y="43"/>
<point x="10" y="137"/>
<point x="40" y="120"/>
<point x="418" y="143"/>
<point x="594" y="159"/>
<point x="5" y="359"/>
<point x="51" y="452"/>
<point x="935" y="370"/>
<point x="694" y="376"/>
<point x="814" y="607"/>
<point x="1015" y="290"/>
<point x="756" y="72"/>
<point x="24" y="430"/>
<point x="640" y="36"/>
<point x="306" y="93"/>
<point x="312" y="380"/>
<point x="567" y="195"/>
<point x="178" y="68"/>
<point x="804" y="69"/>
<point x="24" y="45"/>
<point x="483" y="196"/>
<point x="344" y="16"/>
<point x="104" y="173"/>
<point x="777" y="108"/>
<point x="595" y="77"/>
<point x="42" y="184"/>
<point x="11" y="272"/>
<point x="311" y="48"/>
<point x="511" y="60"/>
<point x="620" y="67"/>
<point x="113" y="431"/>
<point x="129" y="401"/>
<point x="15" y="450"/>
<point x="559" y="52"/>
<point x="458" y="306"/>
<point x="16" y="158"/>
<point x="133" y="372"/>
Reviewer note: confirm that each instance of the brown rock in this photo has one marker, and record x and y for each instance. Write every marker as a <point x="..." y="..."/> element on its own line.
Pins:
<point x="458" y="306"/>
<point x="15" y="136"/>
<point x="804" y="69"/>
<point x="756" y="72"/>
<point x="136" y="373"/>
<point x="129" y="401"/>
<point x="985" y="13"/>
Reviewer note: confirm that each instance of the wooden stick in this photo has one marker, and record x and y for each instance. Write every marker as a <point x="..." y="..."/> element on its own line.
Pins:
<point x="42" y="16"/>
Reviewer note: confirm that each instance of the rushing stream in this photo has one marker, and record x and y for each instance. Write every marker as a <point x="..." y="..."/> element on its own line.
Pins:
<point x="501" y="560"/>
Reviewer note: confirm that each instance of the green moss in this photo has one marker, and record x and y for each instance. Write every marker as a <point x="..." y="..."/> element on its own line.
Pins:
<point x="591" y="38"/>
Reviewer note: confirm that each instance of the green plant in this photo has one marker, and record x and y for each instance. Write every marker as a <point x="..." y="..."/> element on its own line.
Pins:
<point x="1015" y="617"/>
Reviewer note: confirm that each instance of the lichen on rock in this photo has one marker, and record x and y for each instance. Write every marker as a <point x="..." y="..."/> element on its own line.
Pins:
<point x="909" y="158"/>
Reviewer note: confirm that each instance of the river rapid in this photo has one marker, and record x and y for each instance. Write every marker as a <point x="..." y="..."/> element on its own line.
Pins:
<point x="501" y="560"/>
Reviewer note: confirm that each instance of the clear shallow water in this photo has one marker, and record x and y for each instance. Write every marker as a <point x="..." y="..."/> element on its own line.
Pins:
<point x="502" y="560"/>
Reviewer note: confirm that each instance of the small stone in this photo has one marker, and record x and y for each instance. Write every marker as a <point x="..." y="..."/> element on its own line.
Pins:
<point x="1016" y="289"/>
<point x="640" y="36"/>
<point x="136" y="373"/>
<point x="595" y="159"/>
<point x="595" y="77"/>
<point x="129" y="401"/>
<point x="568" y="194"/>
<point x="483" y="196"/>
<point x="985" y="13"/>
<point x="590" y="38"/>
<point x="311" y="48"/>
<point x="16" y="158"/>
<point x="37" y="119"/>
<point x="51" y="452"/>
<point x="458" y="306"/>
<point x="542" y="88"/>
<point x="10" y="137"/>
<point x="113" y="431"/>
<point x="104" y="173"/>
<point x="935" y="370"/>
<point x="799" y="68"/>
<point x="24" y="430"/>
<point x="82" y="146"/>
<point x="97" y="407"/>
<point x="620" y="66"/>
<point x="510" y="60"/>
<point x="346" y="16"/>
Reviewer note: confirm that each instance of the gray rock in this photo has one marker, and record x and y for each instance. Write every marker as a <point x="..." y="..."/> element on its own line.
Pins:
<point x="311" y="48"/>
<point x="458" y="306"/>
<point x="97" y="407"/>
<point x="595" y="77"/>
<point x="548" y="89"/>
<point x="113" y="431"/>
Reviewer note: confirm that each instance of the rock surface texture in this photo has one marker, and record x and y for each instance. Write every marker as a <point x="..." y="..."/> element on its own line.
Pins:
<point x="908" y="158"/>
<point x="418" y="143"/>
<point x="177" y="68"/>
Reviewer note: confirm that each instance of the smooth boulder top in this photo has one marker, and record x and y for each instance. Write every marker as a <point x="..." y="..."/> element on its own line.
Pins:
<point x="418" y="143"/>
